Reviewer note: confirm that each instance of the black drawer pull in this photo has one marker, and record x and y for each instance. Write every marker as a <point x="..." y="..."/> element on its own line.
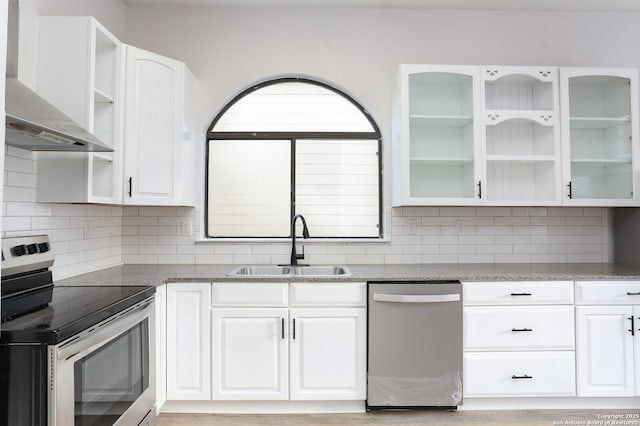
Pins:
<point x="521" y="294"/>
<point x="521" y="377"/>
<point x="633" y="327"/>
<point x="282" y="319"/>
<point x="635" y="293"/>
<point x="294" y="329"/>
<point x="522" y="329"/>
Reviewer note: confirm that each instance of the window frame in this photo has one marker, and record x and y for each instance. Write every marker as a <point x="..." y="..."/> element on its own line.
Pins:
<point x="292" y="137"/>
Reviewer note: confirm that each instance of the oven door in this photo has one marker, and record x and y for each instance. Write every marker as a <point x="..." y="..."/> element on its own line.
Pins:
<point x="104" y="375"/>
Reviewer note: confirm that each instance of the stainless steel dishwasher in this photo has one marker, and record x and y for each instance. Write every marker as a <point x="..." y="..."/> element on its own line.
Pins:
<point x="414" y="345"/>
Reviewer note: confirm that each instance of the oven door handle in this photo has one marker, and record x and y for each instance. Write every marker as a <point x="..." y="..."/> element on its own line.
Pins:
<point x="106" y="331"/>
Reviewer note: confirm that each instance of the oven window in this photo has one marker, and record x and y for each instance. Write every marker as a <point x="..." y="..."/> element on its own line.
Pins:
<point x="110" y="379"/>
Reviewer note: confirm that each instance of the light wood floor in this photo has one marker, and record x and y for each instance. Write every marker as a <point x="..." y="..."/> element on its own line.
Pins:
<point x="409" y="418"/>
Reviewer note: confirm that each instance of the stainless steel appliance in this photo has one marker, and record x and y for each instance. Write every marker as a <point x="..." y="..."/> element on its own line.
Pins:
<point x="31" y="122"/>
<point x="414" y="345"/>
<point x="81" y="355"/>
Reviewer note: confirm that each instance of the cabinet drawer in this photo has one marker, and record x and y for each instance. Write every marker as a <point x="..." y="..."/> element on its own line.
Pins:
<point x="504" y="374"/>
<point x="518" y="293"/>
<point x="608" y="292"/>
<point x="511" y="328"/>
<point x="328" y="294"/>
<point x="249" y="294"/>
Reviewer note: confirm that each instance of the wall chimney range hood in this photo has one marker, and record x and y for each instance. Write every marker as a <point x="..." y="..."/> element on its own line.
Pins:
<point x="31" y="122"/>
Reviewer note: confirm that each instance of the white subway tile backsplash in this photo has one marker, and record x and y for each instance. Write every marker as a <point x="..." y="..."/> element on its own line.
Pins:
<point x="90" y="237"/>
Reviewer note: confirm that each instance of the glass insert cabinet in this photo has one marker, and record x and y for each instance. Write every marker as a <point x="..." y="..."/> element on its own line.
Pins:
<point x="505" y="135"/>
<point x="600" y="131"/>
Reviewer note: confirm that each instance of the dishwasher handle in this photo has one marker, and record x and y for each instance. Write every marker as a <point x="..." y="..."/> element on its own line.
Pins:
<point x="416" y="298"/>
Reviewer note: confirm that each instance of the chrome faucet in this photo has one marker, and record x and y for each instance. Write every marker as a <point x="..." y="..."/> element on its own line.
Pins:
<point x="305" y="234"/>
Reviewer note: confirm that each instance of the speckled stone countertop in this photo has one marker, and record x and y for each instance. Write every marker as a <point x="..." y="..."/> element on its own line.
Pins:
<point x="157" y="274"/>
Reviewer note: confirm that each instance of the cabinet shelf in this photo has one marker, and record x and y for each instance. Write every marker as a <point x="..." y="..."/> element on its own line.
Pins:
<point x="601" y="161"/>
<point x="427" y="120"/>
<point x="102" y="97"/>
<point x="441" y="161"/>
<point x="598" y="123"/>
<point x="523" y="159"/>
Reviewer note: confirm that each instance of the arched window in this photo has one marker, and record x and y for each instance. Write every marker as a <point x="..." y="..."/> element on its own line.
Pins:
<point x="293" y="146"/>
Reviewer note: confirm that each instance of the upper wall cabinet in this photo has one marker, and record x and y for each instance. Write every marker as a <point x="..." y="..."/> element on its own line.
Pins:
<point x="79" y="64"/>
<point x="600" y="136"/>
<point x="521" y="136"/>
<point x="492" y="136"/>
<point x="436" y="157"/>
<point x="158" y="140"/>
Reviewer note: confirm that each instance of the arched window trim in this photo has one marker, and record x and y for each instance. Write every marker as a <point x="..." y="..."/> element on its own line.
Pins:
<point x="213" y="135"/>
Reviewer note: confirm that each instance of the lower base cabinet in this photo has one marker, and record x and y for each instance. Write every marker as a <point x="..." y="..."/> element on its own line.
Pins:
<point x="608" y="338"/>
<point x="250" y="356"/>
<point x="327" y="350"/>
<point x="505" y="374"/>
<point x="188" y="341"/>
<point x="605" y="348"/>
<point x="266" y="341"/>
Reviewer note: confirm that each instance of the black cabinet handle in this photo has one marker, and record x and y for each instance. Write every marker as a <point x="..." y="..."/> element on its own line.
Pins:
<point x="479" y="189"/>
<point x="570" y="190"/>
<point x="633" y="293"/>
<point x="521" y="294"/>
<point x="522" y="329"/>
<point x="521" y="377"/>
<point x="294" y="329"/>
<point x="130" y="185"/>
<point x="282" y="319"/>
<point x="633" y="328"/>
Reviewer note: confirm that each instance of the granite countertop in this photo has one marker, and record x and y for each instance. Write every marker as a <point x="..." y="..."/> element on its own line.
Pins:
<point x="158" y="274"/>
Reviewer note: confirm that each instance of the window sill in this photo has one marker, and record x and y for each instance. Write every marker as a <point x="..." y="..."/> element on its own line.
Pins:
<point x="203" y="240"/>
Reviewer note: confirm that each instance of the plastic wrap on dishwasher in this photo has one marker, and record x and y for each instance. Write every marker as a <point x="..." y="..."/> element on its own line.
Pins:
<point x="445" y="391"/>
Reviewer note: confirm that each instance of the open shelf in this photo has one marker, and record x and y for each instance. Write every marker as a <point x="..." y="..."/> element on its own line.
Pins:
<point x="102" y="97"/>
<point x="531" y="180"/>
<point x="519" y="92"/>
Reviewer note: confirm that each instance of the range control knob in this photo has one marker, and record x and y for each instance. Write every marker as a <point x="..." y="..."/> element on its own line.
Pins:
<point x="32" y="248"/>
<point x="19" y="250"/>
<point x="43" y="247"/>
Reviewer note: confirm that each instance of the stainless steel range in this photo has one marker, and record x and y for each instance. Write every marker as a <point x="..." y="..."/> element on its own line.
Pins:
<point x="79" y="355"/>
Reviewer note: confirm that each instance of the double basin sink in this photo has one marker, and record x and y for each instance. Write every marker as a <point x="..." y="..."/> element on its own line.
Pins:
<point x="298" y="271"/>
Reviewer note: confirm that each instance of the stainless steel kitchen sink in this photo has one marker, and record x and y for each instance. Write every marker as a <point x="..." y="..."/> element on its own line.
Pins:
<point x="306" y="271"/>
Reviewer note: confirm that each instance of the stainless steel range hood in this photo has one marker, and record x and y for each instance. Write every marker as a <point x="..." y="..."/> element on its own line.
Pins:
<point x="31" y="122"/>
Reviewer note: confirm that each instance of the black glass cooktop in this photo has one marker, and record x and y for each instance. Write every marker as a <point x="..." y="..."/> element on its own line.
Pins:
<point x="58" y="313"/>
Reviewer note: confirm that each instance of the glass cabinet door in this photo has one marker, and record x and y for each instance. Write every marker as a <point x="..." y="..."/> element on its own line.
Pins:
<point x="441" y="134"/>
<point x="600" y="127"/>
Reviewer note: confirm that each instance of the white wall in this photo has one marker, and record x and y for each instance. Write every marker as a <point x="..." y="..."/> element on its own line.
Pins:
<point x="110" y="13"/>
<point x="358" y="50"/>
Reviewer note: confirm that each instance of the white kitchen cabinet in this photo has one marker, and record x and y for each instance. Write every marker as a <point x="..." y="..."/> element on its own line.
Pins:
<point x="435" y="136"/>
<point x="519" y="374"/>
<point x="608" y="331"/>
<point x="266" y="346"/>
<point x="599" y="136"/>
<point x="605" y="351"/>
<point x="519" y="339"/>
<point x="158" y="145"/>
<point x="188" y="341"/>
<point x="161" y="345"/>
<point x="250" y="354"/>
<point x="328" y="353"/>
<point x="521" y="137"/>
<point x="79" y="71"/>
